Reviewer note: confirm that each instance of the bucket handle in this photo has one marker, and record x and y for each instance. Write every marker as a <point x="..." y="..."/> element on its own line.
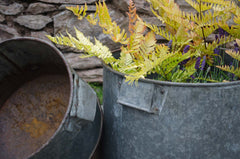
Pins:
<point x="84" y="100"/>
<point x="145" y="96"/>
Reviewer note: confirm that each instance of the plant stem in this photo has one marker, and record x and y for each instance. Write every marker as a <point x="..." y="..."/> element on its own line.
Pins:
<point x="204" y="38"/>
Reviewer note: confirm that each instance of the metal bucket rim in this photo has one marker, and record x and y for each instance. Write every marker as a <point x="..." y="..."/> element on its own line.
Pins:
<point x="100" y="132"/>
<point x="179" y="84"/>
<point x="68" y="68"/>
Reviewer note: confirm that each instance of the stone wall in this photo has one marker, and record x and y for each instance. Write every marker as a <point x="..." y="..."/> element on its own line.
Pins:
<point x="38" y="18"/>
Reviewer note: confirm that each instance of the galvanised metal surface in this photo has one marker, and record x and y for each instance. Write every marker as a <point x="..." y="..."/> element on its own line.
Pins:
<point x="46" y="110"/>
<point x="166" y="120"/>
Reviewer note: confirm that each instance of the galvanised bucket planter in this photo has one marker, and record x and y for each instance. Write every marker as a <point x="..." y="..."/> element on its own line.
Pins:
<point x="46" y="110"/>
<point x="166" y="120"/>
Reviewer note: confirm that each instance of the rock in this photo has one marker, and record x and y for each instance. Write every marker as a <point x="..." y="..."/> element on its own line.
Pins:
<point x="67" y="21"/>
<point x="152" y="20"/>
<point x="142" y="6"/>
<point x="69" y="1"/>
<point x="7" y="32"/>
<point x="5" y="2"/>
<point x="12" y="9"/>
<point x="82" y="63"/>
<point x="182" y="3"/>
<point x="40" y="35"/>
<point x="90" y="7"/>
<point x="184" y="6"/>
<point x="93" y="75"/>
<point x="35" y="22"/>
<point x="2" y="18"/>
<point x="36" y="8"/>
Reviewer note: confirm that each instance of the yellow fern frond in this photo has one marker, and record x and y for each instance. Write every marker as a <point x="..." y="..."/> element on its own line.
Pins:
<point x="236" y="19"/>
<point x="199" y="8"/>
<point x="233" y="54"/>
<point x="148" y="65"/>
<point x="79" y="12"/>
<point x="83" y="43"/>
<point x="235" y="71"/>
<point x="218" y="2"/>
<point x="137" y="40"/>
<point x="110" y="27"/>
<point x="160" y="31"/>
<point x="208" y="49"/>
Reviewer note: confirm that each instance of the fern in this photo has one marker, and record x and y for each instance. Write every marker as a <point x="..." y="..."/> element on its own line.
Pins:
<point x="183" y="75"/>
<point x="79" y="12"/>
<point x="203" y="7"/>
<point x="160" y="31"/>
<point x="235" y="55"/>
<point x="235" y="71"/>
<point x="132" y="15"/>
<point x="83" y="43"/>
<point x="141" y="54"/>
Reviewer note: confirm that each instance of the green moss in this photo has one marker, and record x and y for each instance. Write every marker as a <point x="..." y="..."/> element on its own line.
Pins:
<point x="98" y="88"/>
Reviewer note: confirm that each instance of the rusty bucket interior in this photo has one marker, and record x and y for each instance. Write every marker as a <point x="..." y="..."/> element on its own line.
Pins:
<point x="35" y="85"/>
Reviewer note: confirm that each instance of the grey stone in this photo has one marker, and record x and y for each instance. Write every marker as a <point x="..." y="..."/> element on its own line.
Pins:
<point x="36" y="8"/>
<point x="67" y="21"/>
<point x="152" y="20"/>
<point x="12" y="9"/>
<point x="69" y="1"/>
<point x="5" y="2"/>
<point x="35" y="22"/>
<point x="40" y="35"/>
<point x="142" y="6"/>
<point x="184" y="6"/>
<point x="93" y="75"/>
<point x="7" y="32"/>
<point x="210" y="38"/>
<point x="2" y="18"/>
<point x="182" y="3"/>
<point x="89" y="8"/>
<point x="82" y="63"/>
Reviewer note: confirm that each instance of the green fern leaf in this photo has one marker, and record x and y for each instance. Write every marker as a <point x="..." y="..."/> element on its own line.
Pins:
<point x="183" y="75"/>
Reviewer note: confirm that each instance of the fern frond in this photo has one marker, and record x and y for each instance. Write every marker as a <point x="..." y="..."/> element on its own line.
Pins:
<point x="208" y="49"/>
<point x="207" y="29"/>
<point x="234" y="30"/>
<point x="63" y="40"/>
<point x="199" y="8"/>
<point x="79" y="12"/>
<point x="233" y="54"/>
<point x="148" y="65"/>
<point x="168" y="12"/>
<point x="236" y="19"/>
<point x="160" y="31"/>
<point x="218" y="2"/>
<point x="235" y="71"/>
<point x="170" y="63"/>
<point x="83" y="43"/>
<point x="140" y="45"/>
<point x="132" y="15"/>
<point x="181" y="75"/>
<point x="110" y="27"/>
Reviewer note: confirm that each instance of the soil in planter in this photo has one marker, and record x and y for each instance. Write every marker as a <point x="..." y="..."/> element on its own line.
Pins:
<point x="29" y="118"/>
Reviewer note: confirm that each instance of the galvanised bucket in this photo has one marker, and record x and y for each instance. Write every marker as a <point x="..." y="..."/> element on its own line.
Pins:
<point x="167" y="120"/>
<point x="46" y="110"/>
